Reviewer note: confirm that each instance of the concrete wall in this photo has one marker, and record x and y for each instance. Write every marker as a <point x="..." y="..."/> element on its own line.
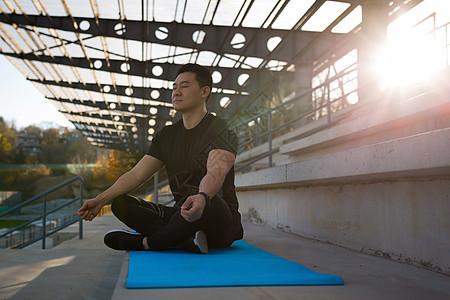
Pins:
<point x="407" y="221"/>
<point x="10" y="198"/>
<point x="378" y="183"/>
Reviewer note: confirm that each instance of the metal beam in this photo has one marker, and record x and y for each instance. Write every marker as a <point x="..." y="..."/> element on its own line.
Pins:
<point x="165" y="95"/>
<point x="137" y="68"/>
<point x="125" y="107"/>
<point x="173" y="33"/>
<point x="123" y="118"/>
<point x="97" y="126"/>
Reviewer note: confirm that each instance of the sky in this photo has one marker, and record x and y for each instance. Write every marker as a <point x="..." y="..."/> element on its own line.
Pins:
<point x="23" y="104"/>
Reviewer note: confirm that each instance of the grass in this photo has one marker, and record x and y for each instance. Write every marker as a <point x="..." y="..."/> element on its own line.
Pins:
<point x="11" y="223"/>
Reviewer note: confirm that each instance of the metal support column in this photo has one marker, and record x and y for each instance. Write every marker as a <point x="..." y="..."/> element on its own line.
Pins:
<point x="44" y="221"/>
<point x="80" y="227"/>
<point x="372" y="37"/>
<point x="270" y="136"/>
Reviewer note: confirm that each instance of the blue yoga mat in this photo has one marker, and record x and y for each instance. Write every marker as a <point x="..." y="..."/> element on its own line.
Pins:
<point x="240" y="265"/>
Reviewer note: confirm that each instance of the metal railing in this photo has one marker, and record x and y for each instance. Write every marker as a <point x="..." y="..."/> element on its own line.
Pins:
<point x="306" y="107"/>
<point x="326" y="108"/>
<point x="31" y="231"/>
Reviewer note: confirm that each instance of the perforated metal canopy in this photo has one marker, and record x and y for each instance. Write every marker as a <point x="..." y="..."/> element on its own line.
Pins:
<point x="108" y="66"/>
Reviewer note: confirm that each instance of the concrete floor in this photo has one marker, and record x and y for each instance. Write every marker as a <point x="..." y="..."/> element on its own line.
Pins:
<point x="86" y="269"/>
<point x="75" y="269"/>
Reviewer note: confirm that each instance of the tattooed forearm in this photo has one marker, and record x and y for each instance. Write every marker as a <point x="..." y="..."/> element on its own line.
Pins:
<point x="218" y="165"/>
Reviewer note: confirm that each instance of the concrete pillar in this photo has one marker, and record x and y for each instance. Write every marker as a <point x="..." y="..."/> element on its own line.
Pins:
<point x="303" y="76"/>
<point x="303" y="83"/>
<point x="372" y="37"/>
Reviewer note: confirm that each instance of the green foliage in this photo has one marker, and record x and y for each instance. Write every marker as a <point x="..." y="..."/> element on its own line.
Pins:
<point x="53" y="153"/>
<point x="5" y="149"/>
<point x="11" y="223"/>
<point x="32" y="130"/>
<point x="21" y="179"/>
<point x="7" y="142"/>
<point x="60" y="171"/>
<point x="50" y="136"/>
<point x="57" y="146"/>
<point x="113" y="166"/>
<point x="20" y="157"/>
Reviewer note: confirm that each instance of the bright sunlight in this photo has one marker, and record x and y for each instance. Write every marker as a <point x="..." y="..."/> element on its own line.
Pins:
<point x="417" y="46"/>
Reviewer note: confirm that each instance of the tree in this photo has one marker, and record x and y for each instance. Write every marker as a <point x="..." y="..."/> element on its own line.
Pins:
<point x="7" y="142"/>
<point x="112" y="167"/>
<point x="32" y="130"/>
<point x="55" y="146"/>
<point x="5" y="149"/>
<point x="78" y="149"/>
<point x="53" y="153"/>
<point x="50" y="136"/>
<point x="20" y="157"/>
<point x="120" y="162"/>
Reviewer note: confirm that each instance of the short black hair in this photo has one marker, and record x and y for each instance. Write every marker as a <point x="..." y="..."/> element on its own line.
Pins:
<point x="202" y="75"/>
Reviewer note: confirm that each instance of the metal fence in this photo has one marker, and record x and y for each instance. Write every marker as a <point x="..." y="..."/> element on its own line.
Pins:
<point x="292" y="113"/>
<point x="332" y="90"/>
<point x="38" y="227"/>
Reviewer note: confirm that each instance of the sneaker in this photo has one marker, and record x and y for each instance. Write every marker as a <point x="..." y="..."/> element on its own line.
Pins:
<point x="197" y="244"/>
<point x="201" y="242"/>
<point x="119" y="239"/>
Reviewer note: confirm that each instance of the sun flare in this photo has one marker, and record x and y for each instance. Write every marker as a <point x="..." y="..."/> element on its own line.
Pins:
<point x="416" y="48"/>
<point x="406" y="62"/>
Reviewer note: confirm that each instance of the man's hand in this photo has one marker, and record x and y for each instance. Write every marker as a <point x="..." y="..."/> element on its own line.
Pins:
<point x="192" y="208"/>
<point x="90" y="209"/>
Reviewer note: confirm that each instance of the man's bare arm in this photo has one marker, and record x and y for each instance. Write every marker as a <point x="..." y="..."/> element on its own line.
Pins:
<point x="218" y="165"/>
<point x="127" y="183"/>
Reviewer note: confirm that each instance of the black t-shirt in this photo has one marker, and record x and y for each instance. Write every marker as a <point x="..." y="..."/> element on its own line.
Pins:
<point x="184" y="153"/>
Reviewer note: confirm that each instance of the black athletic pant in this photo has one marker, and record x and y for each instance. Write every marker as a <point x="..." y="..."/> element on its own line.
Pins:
<point x="165" y="227"/>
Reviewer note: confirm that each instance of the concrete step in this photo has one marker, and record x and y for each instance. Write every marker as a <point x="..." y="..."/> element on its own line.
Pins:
<point x="418" y="155"/>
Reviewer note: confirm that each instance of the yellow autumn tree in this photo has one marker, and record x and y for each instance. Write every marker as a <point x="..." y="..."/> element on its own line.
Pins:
<point x="7" y="142"/>
<point x="117" y="163"/>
